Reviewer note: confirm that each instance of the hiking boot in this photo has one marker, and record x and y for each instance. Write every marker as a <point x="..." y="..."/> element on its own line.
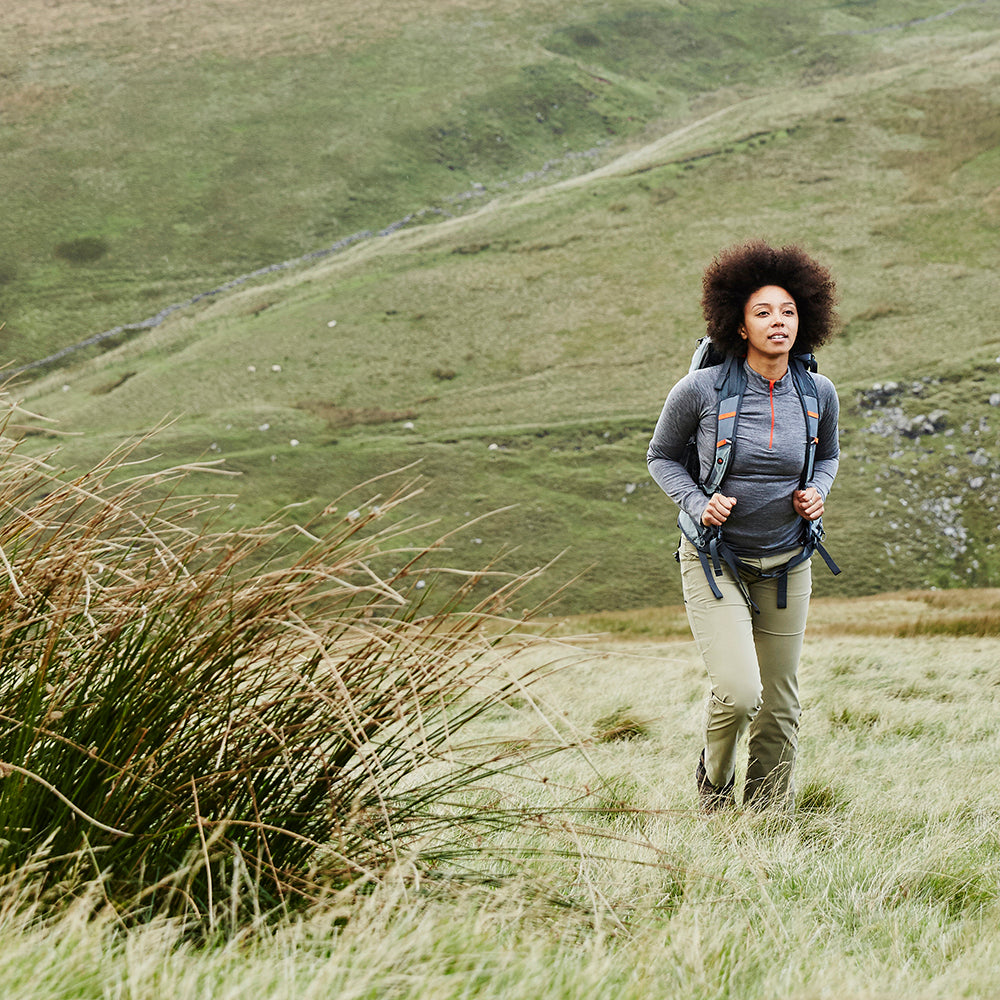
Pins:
<point x="710" y="798"/>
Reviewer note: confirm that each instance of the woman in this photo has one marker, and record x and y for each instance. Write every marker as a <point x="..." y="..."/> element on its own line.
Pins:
<point x="762" y="306"/>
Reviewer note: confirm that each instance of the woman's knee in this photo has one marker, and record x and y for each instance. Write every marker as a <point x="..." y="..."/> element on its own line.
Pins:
<point x="740" y="700"/>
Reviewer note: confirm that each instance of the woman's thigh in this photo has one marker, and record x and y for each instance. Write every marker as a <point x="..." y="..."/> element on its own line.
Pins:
<point x="778" y="632"/>
<point x="723" y="630"/>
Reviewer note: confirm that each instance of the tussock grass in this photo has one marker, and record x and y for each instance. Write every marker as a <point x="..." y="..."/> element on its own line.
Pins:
<point x="222" y="724"/>
<point x="623" y="723"/>
<point x="882" y="884"/>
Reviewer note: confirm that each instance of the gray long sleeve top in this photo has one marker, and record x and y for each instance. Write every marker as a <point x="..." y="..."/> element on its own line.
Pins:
<point x="767" y="457"/>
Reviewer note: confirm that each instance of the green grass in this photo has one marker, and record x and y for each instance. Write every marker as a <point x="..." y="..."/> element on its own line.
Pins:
<point x="246" y="141"/>
<point x="551" y="321"/>
<point x="529" y="341"/>
<point x="884" y="882"/>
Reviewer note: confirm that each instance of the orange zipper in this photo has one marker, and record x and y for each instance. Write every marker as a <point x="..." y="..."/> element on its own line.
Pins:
<point x="770" y="445"/>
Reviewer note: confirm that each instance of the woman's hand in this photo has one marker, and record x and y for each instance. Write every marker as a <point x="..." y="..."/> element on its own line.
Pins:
<point x="717" y="510"/>
<point x="808" y="503"/>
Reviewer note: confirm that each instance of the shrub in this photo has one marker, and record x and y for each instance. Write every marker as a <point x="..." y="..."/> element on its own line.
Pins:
<point x="241" y="717"/>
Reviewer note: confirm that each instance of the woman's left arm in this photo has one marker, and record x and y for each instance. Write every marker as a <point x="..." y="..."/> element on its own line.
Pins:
<point x="809" y="501"/>
<point x="828" y="447"/>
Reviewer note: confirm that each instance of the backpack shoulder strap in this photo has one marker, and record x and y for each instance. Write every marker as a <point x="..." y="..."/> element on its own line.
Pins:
<point x="730" y="387"/>
<point x="802" y="366"/>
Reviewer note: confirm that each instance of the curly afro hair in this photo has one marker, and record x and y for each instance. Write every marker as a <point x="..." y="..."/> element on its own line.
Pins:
<point x="737" y="272"/>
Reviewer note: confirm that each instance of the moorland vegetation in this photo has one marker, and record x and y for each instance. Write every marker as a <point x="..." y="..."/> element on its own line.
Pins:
<point x="591" y="160"/>
<point x="883" y="884"/>
<point x="282" y="734"/>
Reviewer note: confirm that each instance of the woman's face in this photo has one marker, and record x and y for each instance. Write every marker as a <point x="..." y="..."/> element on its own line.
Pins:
<point x="770" y="323"/>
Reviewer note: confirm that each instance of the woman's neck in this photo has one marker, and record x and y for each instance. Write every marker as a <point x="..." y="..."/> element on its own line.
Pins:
<point x="773" y="369"/>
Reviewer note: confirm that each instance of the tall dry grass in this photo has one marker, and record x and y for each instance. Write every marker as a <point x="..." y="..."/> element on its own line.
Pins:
<point x="222" y="724"/>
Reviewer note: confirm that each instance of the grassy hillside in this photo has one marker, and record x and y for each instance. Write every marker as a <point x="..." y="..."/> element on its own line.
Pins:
<point x="148" y="155"/>
<point x="520" y="351"/>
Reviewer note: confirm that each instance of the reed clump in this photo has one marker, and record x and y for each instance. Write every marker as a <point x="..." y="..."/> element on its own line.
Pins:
<point x="207" y="721"/>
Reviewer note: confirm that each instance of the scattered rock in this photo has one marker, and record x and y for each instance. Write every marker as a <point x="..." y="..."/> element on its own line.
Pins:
<point x="925" y="424"/>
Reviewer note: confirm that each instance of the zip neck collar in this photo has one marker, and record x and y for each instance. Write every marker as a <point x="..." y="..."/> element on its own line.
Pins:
<point x="769" y="387"/>
<point x="758" y="383"/>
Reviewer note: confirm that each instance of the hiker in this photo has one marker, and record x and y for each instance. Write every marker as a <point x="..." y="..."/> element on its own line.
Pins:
<point x="746" y="540"/>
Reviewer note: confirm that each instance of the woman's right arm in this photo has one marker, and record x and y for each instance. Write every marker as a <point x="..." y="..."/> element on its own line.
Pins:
<point x="681" y="415"/>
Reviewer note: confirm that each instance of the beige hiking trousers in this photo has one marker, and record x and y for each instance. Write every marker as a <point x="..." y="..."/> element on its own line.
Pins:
<point x="752" y="660"/>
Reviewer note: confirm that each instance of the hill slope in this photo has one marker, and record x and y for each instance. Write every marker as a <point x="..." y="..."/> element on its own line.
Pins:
<point x="150" y="153"/>
<point x="520" y="352"/>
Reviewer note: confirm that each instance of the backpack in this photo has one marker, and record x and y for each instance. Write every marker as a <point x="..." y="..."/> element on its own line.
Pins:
<point x="730" y="386"/>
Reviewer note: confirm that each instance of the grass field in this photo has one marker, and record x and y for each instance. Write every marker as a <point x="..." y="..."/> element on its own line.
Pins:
<point x="883" y="884"/>
<point x="464" y="240"/>
<point x="519" y="351"/>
